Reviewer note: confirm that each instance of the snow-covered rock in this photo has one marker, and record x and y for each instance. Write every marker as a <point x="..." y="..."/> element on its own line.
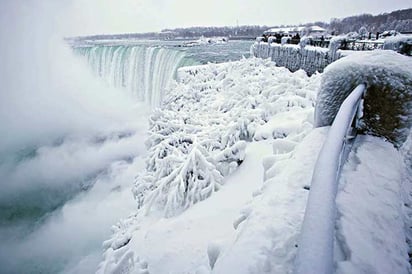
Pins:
<point x="388" y="100"/>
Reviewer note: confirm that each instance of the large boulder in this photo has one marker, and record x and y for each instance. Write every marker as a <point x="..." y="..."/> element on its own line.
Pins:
<point x="388" y="99"/>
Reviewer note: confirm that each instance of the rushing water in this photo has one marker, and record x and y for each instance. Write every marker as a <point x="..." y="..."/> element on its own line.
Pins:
<point x="75" y="143"/>
<point x="144" y="71"/>
<point x="145" y="68"/>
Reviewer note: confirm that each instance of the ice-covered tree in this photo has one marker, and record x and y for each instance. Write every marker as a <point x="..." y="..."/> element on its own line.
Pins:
<point x="363" y="32"/>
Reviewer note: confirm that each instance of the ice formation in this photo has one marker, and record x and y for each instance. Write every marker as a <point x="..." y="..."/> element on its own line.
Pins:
<point x="144" y="71"/>
<point x="294" y="57"/>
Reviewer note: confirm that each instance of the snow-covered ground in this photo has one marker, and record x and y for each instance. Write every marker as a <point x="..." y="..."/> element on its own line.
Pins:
<point x="231" y="156"/>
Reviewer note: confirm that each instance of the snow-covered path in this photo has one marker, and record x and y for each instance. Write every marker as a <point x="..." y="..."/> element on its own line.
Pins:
<point x="370" y="224"/>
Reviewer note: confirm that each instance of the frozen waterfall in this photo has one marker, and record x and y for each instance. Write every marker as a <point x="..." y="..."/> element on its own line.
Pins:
<point x="144" y="71"/>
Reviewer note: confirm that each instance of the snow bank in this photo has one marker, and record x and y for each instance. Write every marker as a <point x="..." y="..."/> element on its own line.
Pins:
<point x="217" y="117"/>
<point x="399" y="43"/>
<point x="370" y="225"/>
<point x="295" y="57"/>
<point x="268" y="228"/>
<point x="387" y="107"/>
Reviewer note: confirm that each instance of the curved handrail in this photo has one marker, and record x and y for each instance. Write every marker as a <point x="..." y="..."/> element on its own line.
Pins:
<point x="315" y="250"/>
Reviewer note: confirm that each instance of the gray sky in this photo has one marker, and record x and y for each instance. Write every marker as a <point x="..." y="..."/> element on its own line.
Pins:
<point x="78" y="17"/>
<point x="116" y="16"/>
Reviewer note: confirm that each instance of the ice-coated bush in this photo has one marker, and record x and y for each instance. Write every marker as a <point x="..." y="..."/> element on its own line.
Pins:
<point x="199" y="134"/>
<point x="388" y="100"/>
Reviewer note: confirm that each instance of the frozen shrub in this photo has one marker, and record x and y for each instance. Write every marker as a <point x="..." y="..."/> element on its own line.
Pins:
<point x="199" y="135"/>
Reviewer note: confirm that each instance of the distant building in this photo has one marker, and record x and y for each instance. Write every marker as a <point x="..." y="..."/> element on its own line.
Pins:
<point x="314" y="31"/>
<point x="167" y="34"/>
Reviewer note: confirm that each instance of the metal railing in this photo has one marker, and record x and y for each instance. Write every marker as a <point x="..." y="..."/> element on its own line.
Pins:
<point x="315" y="248"/>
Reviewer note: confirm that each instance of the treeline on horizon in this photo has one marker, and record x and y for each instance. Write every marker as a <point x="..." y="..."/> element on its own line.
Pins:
<point x="400" y="20"/>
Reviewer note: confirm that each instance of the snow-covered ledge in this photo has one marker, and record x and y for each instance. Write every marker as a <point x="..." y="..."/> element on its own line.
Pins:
<point x="294" y="57"/>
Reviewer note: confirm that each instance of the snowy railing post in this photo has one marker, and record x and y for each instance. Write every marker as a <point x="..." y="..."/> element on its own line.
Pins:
<point x="315" y="249"/>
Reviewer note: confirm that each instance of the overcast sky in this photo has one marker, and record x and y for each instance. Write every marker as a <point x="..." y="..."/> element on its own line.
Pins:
<point x="79" y="17"/>
<point x="116" y="16"/>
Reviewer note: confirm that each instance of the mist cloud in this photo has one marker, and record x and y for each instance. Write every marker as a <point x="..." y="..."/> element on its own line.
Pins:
<point x="69" y="146"/>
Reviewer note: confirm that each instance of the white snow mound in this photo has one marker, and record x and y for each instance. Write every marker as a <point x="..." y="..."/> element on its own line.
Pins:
<point x="388" y="100"/>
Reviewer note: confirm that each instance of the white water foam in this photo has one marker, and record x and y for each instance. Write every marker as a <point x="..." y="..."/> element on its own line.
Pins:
<point x="144" y="71"/>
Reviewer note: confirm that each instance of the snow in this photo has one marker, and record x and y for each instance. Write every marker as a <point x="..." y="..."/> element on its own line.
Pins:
<point x="336" y="42"/>
<point x="206" y="41"/>
<point x="316" y="241"/>
<point x="388" y="76"/>
<point x="317" y="28"/>
<point x="296" y="29"/>
<point x="370" y="226"/>
<point x="295" y="57"/>
<point x="266" y="239"/>
<point x="284" y="40"/>
<point x="199" y="135"/>
<point x="406" y="151"/>
<point x="284" y="30"/>
<point x="398" y="43"/>
<point x="182" y="244"/>
<point x="250" y="124"/>
<point x="217" y="117"/>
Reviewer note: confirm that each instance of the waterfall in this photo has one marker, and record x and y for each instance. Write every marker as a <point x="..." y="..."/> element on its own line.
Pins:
<point x="144" y="71"/>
